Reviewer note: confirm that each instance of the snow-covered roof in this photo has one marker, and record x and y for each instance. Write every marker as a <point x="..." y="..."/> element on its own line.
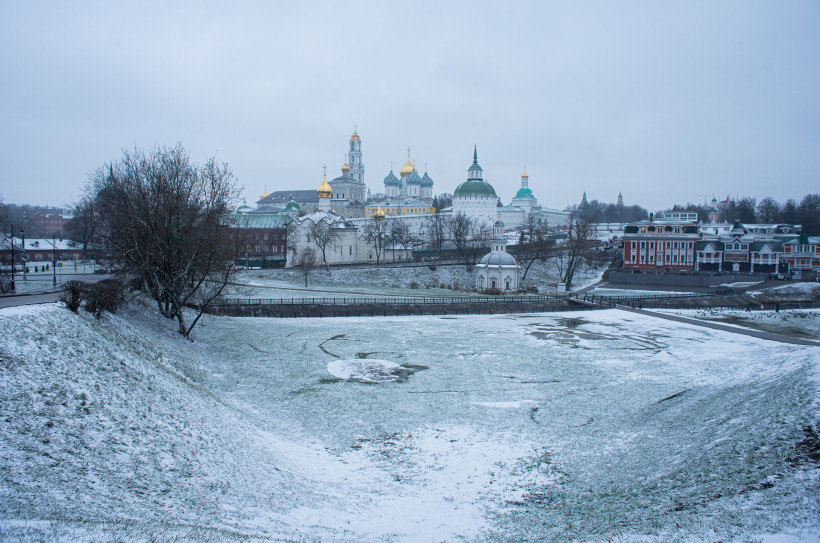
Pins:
<point x="40" y="244"/>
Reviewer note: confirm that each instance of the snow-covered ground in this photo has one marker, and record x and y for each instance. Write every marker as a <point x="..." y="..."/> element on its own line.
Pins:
<point x="803" y="323"/>
<point x="595" y="426"/>
<point x="793" y="291"/>
<point x="369" y="282"/>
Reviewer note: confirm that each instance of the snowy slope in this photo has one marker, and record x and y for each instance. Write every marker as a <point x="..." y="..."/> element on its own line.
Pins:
<point x="585" y="426"/>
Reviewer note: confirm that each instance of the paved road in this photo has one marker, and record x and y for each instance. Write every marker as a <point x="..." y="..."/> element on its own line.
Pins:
<point x="28" y="299"/>
<point x="717" y="326"/>
<point x="47" y="293"/>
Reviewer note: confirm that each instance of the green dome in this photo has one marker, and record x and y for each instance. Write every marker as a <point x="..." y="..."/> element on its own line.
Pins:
<point x="524" y="192"/>
<point x="474" y="188"/>
<point x="293" y="206"/>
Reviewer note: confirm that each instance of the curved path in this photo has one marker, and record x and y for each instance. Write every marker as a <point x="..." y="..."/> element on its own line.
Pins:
<point x="724" y="327"/>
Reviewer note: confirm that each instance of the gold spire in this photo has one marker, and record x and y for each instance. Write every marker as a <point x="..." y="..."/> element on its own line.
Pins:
<point x="264" y="194"/>
<point x="524" y="175"/>
<point x="355" y="136"/>
<point x="324" y="189"/>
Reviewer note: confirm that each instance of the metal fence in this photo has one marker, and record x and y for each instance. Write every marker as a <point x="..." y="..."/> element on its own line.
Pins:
<point x="391" y="300"/>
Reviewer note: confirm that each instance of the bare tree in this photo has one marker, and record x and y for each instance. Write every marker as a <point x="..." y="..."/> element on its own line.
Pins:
<point x="460" y="230"/>
<point x="374" y="233"/>
<point x="304" y="261"/>
<point x="435" y="230"/>
<point x="82" y="227"/>
<point x="165" y="221"/>
<point x="291" y="245"/>
<point x="536" y="243"/>
<point x="480" y="236"/>
<point x="325" y="237"/>
<point x="400" y="235"/>
<point x="575" y="248"/>
<point x="767" y="210"/>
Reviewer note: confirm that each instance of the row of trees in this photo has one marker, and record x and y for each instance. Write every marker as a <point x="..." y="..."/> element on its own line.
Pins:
<point x="596" y="211"/>
<point x="806" y="212"/>
<point x="465" y="237"/>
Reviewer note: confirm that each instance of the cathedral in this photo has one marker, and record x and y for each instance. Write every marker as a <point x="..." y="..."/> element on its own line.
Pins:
<point x="476" y="198"/>
<point x="409" y="184"/>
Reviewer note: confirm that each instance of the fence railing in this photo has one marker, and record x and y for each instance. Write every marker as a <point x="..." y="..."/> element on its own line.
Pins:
<point x="389" y="301"/>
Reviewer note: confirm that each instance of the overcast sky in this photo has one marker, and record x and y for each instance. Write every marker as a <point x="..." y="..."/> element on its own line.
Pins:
<point x="666" y="102"/>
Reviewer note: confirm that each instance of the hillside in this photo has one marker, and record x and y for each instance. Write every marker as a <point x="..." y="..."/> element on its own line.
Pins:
<point x="501" y="428"/>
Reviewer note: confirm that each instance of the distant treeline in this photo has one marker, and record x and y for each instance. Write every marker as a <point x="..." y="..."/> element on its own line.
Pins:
<point x="767" y="211"/>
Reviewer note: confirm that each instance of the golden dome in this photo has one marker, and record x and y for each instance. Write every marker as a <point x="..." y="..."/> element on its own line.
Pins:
<point x="407" y="169"/>
<point x="524" y="175"/>
<point x="324" y="189"/>
<point x="264" y="194"/>
<point x="345" y="168"/>
<point x="355" y="136"/>
<point x="379" y="213"/>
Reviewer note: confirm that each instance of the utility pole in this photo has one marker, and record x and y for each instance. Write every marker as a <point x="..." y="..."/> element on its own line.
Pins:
<point x="11" y="241"/>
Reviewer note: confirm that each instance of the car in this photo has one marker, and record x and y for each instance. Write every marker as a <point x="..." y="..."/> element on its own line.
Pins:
<point x="779" y="276"/>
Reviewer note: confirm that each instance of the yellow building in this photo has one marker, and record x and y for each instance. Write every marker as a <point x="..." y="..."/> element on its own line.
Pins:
<point x="401" y="207"/>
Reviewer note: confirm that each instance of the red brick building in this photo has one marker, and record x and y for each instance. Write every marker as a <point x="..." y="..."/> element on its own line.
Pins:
<point x="48" y="224"/>
<point x="263" y="238"/>
<point x="660" y="246"/>
<point x="802" y="255"/>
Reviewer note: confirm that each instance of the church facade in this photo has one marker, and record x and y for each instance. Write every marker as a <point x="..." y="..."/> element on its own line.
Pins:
<point x="409" y="185"/>
<point x="476" y="198"/>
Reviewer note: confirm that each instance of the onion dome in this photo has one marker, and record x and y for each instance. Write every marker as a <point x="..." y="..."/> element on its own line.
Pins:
<point x="474" y="187"/>
<point x="426" y="180"/>
<point x="345" y="168"/>
<point x="379" y="213"/>
<point x="414" y="178"/>
<point x="498" y="258"/>
<point x="524" y="192"/>
<point x="391" y="180"/>
<point x="324" y="190"/>
<point x="407" y="169"/>
<point x="244" y="208"/>
<point x="292" y="207"/>
<point x="355" y="136"/>
<point x="264" y="194"/>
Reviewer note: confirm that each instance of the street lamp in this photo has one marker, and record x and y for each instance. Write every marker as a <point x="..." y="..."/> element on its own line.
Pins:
<point x="54" y="263"/>
<point x="11" y="242"/>
<point x="23" y="250"/>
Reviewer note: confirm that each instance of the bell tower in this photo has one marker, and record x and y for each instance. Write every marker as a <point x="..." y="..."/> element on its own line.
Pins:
<point x="354" y="155"/>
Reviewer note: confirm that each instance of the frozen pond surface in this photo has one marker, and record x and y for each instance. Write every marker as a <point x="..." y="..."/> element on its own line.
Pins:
<point x="596" y="426"/>
<point x="531" y="427"/>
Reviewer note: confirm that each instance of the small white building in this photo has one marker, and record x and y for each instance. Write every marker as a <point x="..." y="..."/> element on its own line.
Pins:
<point x="498" y="269"/>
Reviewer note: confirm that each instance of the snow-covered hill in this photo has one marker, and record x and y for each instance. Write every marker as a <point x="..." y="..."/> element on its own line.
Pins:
<point x="586" y="426"/>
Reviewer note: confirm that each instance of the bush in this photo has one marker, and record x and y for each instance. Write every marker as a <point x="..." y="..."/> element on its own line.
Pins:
<point x="106" y="295"/>
<point x="414" y="285"/>
<point x="74" y="293"/>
